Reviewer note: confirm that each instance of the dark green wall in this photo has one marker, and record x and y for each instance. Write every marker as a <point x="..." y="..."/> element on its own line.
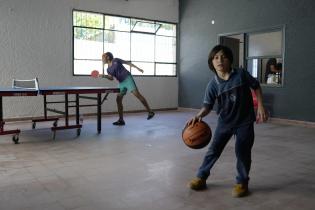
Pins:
<point x="296" y="99"/>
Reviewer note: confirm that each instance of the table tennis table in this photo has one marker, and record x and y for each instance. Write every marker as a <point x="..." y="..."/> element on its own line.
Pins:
<point x="78" y="92"/>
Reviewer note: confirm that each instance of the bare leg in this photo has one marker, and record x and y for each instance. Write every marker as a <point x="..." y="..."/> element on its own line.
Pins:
<point x="119" y="99"/>
<point x="144" y="102"/>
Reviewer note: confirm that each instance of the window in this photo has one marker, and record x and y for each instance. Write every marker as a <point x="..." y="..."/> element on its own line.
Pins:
<point x="260" y="52"/>
<point x="149" y="44"/>
<point x="265" y="57"/>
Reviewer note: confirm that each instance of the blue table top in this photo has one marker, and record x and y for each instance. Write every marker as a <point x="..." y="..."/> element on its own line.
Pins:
<point x="56" y="90"/>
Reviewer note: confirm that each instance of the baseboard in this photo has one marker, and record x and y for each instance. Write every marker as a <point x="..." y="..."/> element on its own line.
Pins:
<point x="273" y="120"/>
<point x="292" y="122"/>
<point x="188" y="109"/>
<point x="17" y="119"/>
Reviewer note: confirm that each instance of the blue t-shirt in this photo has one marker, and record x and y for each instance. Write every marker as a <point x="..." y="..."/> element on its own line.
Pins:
<point x="117" y="70"/>
<point x="234" y="98"/>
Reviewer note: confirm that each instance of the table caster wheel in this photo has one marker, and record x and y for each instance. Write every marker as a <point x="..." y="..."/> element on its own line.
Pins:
<point x="78" y="131"/>
<point x="15" y="139"/>
<point x="34" y="125"/>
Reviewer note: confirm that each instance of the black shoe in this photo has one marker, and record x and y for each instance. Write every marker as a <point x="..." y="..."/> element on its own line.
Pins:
<point x="119" y="122"/>
<point x="150" y="115"/>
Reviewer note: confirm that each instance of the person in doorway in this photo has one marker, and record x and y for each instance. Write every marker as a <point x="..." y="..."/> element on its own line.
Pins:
<point x="273" y="72"/>
<point x="270" y="68"/>
<point x="126" y="83"/>
<point x="231" y="88"/>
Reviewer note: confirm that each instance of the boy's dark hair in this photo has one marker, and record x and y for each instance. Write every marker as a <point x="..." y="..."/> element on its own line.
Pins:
<point x="110" y="55"/>
<point x="279" y="66"/>
<point x="271" y="61"/>
<point x="226" y="51"/>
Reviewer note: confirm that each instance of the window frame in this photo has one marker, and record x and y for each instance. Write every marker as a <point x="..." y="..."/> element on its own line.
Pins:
<point x="246" y="58"/>
<point x="154" y="62"/>
<point x="260" y="58"/>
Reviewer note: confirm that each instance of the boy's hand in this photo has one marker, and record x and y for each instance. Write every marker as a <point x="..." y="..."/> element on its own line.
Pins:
<point x="194" y="120"/>
<point x="262" y="115"/>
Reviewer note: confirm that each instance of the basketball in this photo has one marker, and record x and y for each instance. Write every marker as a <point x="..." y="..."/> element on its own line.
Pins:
<point x="197" y="136"/>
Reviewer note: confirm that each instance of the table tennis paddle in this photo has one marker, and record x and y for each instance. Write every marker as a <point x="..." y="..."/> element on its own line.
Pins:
<point x="94" y="74"/>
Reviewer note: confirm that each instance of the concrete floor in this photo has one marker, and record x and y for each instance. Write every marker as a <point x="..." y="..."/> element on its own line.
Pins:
<point x="145" y="166"/>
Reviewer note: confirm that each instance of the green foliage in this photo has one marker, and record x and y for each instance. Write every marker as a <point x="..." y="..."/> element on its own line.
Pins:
<point x="86" y="19"/>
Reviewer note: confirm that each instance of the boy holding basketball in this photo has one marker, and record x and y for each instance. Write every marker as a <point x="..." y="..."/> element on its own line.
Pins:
<point x="232" y="90"/>
<point x="126" y="83"/>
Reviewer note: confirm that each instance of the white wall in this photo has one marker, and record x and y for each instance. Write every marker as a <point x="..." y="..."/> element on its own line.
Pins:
<point x="36" y="41"/>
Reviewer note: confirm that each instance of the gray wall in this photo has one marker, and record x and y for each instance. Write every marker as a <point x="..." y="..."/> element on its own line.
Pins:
<point x="36" y="41"/>
<point x="296" y="99"/>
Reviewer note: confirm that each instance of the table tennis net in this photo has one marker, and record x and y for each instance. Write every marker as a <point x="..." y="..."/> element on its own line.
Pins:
<point x="25" y="84"/>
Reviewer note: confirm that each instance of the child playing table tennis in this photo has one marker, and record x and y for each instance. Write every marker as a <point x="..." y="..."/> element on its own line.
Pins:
<point x="126" y="83"/>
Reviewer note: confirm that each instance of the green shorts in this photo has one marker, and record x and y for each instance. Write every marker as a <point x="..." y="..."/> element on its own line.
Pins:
<point x="127" y="85"/>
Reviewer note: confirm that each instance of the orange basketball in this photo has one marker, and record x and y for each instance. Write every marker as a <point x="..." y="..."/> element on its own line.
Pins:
<point x="197" y="136"/>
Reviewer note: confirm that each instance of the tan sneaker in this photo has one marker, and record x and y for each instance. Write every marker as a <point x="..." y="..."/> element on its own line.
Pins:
<point x="240" y="190"/>
<point x="197" y="184"/>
